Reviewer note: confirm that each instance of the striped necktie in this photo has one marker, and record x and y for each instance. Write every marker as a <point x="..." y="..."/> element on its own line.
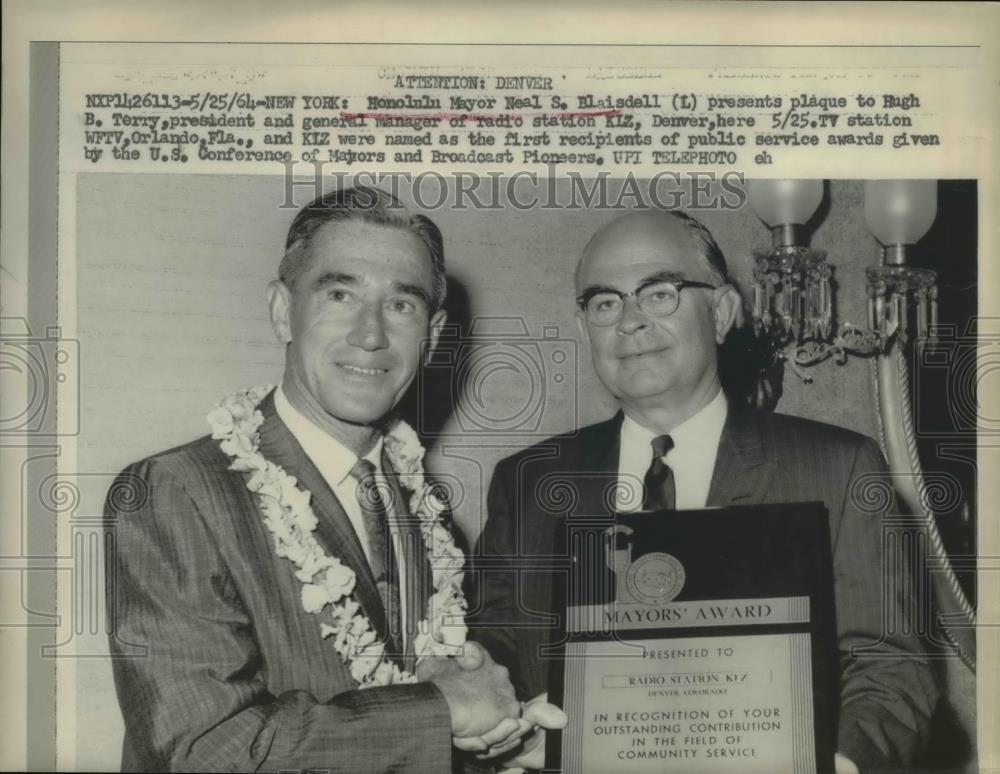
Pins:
<point x="381" y="557"/>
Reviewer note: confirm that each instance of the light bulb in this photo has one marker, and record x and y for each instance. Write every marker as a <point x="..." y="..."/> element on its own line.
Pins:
<point x="900" y="212"/>
<point x="785" y="202"/>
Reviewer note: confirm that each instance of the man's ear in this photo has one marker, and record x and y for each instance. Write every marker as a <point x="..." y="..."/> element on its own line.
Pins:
<point x="438" y="320"/>
<point x="279" y="301"/>
<point x="728" y="311"/>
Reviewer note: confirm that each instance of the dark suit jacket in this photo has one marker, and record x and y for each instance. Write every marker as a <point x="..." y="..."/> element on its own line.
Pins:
<point x="237" y="676"/>
<point x="886" y="704"/>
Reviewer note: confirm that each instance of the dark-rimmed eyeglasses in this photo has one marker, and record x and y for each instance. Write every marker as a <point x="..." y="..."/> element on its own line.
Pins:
<point x="605" y="306"/>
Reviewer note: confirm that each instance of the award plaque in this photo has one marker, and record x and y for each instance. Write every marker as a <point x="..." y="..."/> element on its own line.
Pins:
<point x="697" y="642"/>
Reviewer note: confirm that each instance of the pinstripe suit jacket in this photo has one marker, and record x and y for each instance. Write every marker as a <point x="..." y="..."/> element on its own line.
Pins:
<point x="236" y="675"/>
<point x="886" y="703"/>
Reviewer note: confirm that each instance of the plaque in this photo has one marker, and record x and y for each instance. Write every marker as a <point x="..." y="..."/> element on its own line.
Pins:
<point x="696" y="642"/>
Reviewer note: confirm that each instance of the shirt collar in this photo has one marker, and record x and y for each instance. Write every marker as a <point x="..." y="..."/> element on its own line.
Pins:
<point x="690" y="433"/>
<point x="328" y="454"/>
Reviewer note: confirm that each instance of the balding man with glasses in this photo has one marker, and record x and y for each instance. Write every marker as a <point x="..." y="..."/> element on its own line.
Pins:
<point x="655" y="303"/>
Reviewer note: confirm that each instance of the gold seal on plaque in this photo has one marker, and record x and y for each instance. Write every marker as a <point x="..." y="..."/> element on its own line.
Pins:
<point x="655" y="578"/>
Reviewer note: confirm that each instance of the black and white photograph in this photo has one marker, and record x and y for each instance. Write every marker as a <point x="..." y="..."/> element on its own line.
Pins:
<point x="554" y="406"/>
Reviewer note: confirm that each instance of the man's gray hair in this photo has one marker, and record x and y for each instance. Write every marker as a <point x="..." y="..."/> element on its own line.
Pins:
<point x="360" y="204"/>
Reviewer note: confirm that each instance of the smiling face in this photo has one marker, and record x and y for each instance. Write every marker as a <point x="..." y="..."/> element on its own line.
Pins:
<point x="357" y="322"/>
<point x="656" y="364"/>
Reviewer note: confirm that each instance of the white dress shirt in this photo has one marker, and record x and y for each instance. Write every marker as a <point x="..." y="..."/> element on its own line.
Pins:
<point x="334" y="462"/>
<point x="696" y="444"/>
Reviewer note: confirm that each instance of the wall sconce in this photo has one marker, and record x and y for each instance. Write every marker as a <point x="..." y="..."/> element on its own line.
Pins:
<point x="792" y="312"/>
<point x="899" y="213"/>
<point x="791" y="282"/>
<point x="792" y="293"/>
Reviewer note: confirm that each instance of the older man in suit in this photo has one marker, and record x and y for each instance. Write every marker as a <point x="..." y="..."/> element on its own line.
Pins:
<point x="273" y="571"/>
<point x="655" y="304"/>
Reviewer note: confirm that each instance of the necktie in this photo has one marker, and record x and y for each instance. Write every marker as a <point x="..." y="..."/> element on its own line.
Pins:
<point x="381" y="556"/>
<point x="660" y="492"/>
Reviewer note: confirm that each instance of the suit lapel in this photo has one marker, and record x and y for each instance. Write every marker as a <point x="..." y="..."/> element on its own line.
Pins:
<point x="334" y="531"/>
<point x="743" y="469"/>
<point x="599" y="464"/>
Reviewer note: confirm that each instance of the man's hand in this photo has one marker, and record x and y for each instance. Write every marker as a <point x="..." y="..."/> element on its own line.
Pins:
<point x="503" y="738"/>
<point x="477" y="689"/>
<point x="529" y="730"/>
<point x="542" y="716"/>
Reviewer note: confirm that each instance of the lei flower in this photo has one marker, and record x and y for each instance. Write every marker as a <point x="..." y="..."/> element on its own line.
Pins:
<point x="328" y="584"/>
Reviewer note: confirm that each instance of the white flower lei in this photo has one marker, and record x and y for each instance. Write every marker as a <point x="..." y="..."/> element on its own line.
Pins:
<point x="326" y="582"/>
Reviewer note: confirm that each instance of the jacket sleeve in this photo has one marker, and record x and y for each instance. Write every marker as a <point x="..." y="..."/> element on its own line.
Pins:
<point x="198" y="698"/>
<point x="491" y="581"/>
<point x="888" y="687"/>
<point x="495" y="591"/>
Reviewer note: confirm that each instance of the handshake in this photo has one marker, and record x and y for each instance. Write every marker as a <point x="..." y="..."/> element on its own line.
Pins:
<point x="486" y="718"/>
